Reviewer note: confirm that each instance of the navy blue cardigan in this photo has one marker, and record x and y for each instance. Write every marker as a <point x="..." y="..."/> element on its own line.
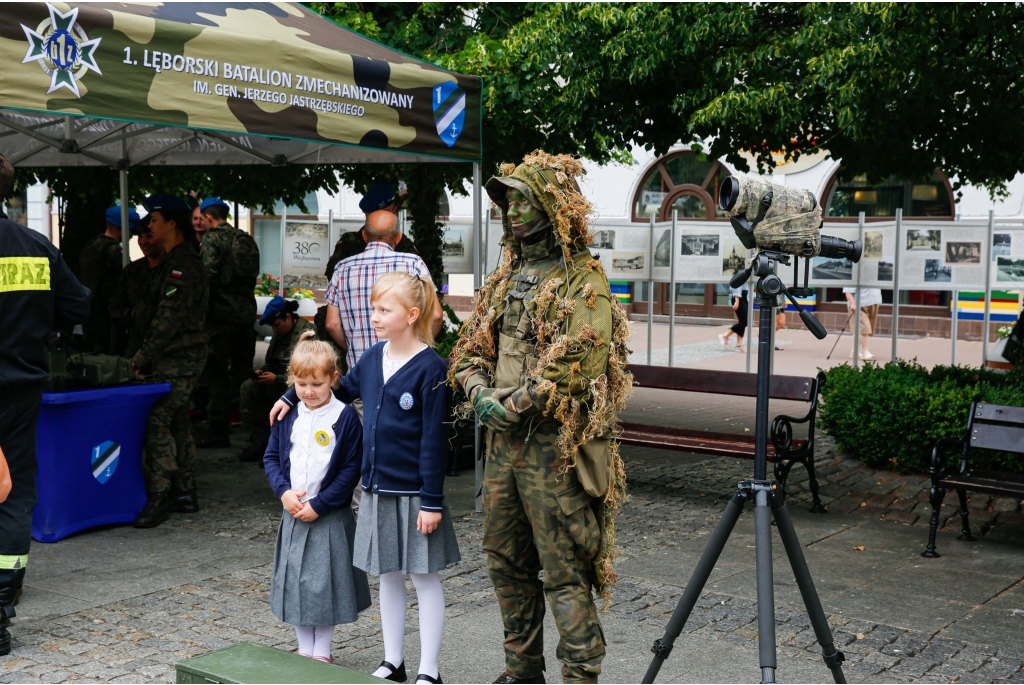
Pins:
<point x="342" y="473"/>
<point x="405" y="418"/>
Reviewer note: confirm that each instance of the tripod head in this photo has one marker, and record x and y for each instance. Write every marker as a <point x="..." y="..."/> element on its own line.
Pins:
<point x="770" y="286"/>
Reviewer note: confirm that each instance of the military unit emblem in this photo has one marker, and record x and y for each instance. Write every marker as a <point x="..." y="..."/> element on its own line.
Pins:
<point x="62" y="49"/>
<point x="449" y="103"/>
<point x="104" y="460"/>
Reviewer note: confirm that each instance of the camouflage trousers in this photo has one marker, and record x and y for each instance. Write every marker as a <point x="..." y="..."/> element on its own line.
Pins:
<point x="232" y="348"/>
<point x="254" y="404"/>
<point x="537" y="519"/>
<point x="170" y="457"/>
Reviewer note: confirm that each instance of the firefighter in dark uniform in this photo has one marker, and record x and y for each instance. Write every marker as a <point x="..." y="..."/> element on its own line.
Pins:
<point x="38" y="292"/>
<point x="171" y="316"/>
<point x="100" y="265"/>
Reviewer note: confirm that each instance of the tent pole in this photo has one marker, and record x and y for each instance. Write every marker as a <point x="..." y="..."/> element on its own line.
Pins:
<point x="126" y="234"/>
<point x="478" y="260"/>
<point x="280" y="283"/>
<point x="896" y="284"/>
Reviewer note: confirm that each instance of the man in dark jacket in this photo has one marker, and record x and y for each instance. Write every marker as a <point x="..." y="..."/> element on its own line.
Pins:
<point x="37" y="293"/>
<point x="100" y="265"/>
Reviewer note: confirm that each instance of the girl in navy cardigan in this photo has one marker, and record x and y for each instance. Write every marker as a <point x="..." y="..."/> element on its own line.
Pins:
<point x="404" y="526"/>
<point x="312" y="464"/>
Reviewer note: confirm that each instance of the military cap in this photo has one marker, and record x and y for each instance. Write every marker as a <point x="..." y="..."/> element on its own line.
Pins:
<point x="165" y="202"/>
<point x="377" y="197"/>
<point x="211" y="202"/>
<point x="277" y="308"/>
<point x="139" y="227"/>
<point x="114" y="217"/>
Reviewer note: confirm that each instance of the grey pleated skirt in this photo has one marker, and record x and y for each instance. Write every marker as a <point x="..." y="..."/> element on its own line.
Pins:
<point x="314" y="582"/>
<point x="387" y="539"/>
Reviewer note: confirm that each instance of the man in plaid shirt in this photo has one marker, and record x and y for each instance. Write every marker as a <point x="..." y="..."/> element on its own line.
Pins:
<point x="348" y="296"/>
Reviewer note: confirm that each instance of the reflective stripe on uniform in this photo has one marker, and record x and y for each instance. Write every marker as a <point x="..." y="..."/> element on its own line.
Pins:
<point x="12" y="562"/>
<point x="24" y="273"/>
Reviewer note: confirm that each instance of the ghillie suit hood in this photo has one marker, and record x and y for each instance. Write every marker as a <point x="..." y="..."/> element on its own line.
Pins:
<point x="581" y="379"/>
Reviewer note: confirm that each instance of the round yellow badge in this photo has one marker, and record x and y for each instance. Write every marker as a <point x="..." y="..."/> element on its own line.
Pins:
<point x="322" y="439"/>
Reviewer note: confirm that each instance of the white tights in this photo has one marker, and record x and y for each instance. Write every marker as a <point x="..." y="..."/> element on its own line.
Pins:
<point x="430" y="598"/>
<point x="314" y="640"/>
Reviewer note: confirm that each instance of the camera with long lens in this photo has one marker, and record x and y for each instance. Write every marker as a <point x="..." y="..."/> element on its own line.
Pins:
<point x="778" y="218"/>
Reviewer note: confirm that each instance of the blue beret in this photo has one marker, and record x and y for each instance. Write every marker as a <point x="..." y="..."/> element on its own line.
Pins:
<point x="275" y="308"/>
<point x="211" y="202"/>
<point x="377" y="197"/>
<point x="114" y="217"/>
<point x="165" y="202"/>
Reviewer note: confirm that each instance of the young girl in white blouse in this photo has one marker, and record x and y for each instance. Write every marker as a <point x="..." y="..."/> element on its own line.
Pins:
<point x="312" y="464"/>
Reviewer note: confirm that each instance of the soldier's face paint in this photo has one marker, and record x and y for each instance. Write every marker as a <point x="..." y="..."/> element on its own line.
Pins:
<point x="527" y="219"/>
<point x="315" y="390"/>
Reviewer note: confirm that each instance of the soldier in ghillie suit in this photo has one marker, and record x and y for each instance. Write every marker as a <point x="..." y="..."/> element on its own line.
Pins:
<point x="542" y="361"/>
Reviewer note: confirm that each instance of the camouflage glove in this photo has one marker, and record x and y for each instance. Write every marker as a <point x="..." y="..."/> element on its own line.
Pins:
<point x="492" y="410"/>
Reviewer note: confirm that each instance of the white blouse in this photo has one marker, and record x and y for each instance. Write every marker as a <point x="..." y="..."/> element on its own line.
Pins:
<point x="312" y="446"/>
<point x="389" y="366"/>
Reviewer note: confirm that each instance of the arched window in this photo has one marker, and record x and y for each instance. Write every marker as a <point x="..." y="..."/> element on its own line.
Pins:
<point x="680" y="181"/>
<point x="847" y="196"/>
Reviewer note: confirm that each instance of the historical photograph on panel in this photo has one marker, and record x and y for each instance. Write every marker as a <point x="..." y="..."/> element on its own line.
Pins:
<point x="930" y="239"/>
<point x="603" y="240"/>
<point x="935" y="272"/>
<point x="628" y="262"/>
<point x="663" y="248"/>
<point x="454" y="243"/>
<point x="307" y="249"/>
<point x="963" y="253"/>
<point x="734" y="256"/>
<point x="700" y="245"/>
<point x="826" y="268"/>
<point x="885" y="271"/>
<point x="1009" y="270"/>
<point x="1001" y="245"/>
<point x="873" y="244"/>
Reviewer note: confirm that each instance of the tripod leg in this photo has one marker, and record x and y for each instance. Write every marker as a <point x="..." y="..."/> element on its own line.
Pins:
<point x="663" y="646"/>
<point x="833" y="657"/>
<point x="765" y="586"/>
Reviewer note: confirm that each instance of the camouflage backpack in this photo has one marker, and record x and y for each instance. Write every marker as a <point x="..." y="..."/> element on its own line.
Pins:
<point x="245" y="258"/>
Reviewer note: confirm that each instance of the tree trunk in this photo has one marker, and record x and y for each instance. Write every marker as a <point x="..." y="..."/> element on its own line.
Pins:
<point x="425" y="187"/>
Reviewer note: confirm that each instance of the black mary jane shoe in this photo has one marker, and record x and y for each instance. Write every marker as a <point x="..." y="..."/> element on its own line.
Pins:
<point x="424" y="678"/>
<point x="397" y="673"/>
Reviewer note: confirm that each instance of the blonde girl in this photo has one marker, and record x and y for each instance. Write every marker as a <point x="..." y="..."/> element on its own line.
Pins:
<point x="404" y="526"/>
<point x="312" y="463"/>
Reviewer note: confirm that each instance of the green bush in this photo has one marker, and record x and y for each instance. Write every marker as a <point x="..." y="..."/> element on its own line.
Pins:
<point x="890" y="416"/>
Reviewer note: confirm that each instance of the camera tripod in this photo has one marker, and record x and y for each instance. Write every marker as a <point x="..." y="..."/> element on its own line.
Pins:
<point x="768" y="502"/>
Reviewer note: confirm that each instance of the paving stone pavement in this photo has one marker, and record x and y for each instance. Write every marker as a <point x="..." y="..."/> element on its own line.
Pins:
<point x="675" y="502"/>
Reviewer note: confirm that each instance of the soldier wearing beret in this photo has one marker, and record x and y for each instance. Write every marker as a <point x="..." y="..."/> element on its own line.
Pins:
<point x="232" y="262"/>
<point x="100" y="265"/>
<point x="125" y="337"/>
<point x="380" y="196"/>
<point x="270" y="381"/>
<point x="171" y="317"/>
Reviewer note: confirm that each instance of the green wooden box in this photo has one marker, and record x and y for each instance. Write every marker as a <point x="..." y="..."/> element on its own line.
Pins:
<point x="251" y="663"/>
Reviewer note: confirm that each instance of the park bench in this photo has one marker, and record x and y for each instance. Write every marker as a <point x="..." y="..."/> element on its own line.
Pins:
<point x="247" y="662"/>
<point x="992" y="427"/>
<point x="784" y="450"/>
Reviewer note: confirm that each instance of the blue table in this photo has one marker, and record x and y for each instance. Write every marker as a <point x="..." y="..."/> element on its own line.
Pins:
<point x="90" y="458"/>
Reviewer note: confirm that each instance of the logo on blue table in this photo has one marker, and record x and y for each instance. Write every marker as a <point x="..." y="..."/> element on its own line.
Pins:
<point x="449" y="102"/>
<point x="104" y="460"/>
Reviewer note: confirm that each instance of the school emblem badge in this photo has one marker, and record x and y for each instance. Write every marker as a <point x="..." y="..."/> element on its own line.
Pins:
<point x="449" y="102"/>
<point x="62" y="49"/>
<point x="405" y="401"/>
<point x="322" y="438"/>
<point x="104" y="460"/>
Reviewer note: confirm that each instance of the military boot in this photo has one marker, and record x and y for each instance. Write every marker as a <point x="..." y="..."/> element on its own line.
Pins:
<point x="184" y="501"/>
<point x="158" y="508"/>
<point x="7" y="612"/>
<point x="508" y="679"/>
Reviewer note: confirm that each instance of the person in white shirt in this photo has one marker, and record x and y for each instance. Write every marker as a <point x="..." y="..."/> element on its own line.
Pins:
<point x="870" y="299"/>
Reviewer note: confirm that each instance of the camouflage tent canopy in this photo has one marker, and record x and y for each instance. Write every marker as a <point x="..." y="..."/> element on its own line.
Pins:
<point x="124" y="84"/>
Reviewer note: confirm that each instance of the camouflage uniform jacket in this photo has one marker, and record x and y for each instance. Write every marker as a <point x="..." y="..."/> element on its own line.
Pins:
<point x="100" y="266"/>
<point x="123" y="303"/>
<point x="281" y="345"/>
<point x="231" y="299"/>
<point x="352" y="243"/>
<point x="171" y="315"/>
